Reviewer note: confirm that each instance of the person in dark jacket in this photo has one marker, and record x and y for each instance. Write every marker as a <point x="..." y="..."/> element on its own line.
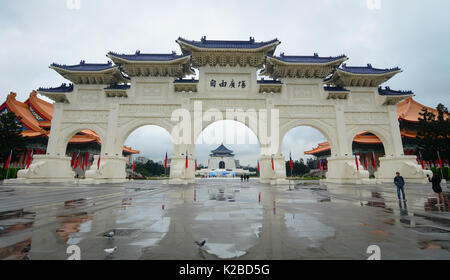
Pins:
<point x="436" y="182"/>
<point x="400" y="183"/>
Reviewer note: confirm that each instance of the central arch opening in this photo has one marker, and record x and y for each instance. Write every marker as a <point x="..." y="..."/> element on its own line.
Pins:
<point x="227" y="149"/>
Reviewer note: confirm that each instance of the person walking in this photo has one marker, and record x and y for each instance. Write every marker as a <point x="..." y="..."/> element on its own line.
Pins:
<point x="399" y="181"/>
<point x="436" y="182"/>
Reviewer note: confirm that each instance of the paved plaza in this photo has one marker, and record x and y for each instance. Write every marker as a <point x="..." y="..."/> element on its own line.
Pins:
<point x="244" y="221"/>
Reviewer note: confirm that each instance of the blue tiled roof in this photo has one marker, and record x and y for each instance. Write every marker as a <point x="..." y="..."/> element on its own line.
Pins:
<point x="138" y="56"/>
<point x="367" y="70"/>
<point x="118" y="87"/>
<point x="186" y="81"/>
<point x="222" y="150"/>
<point x="269" y="82"/>
<point x="308" y="59"/>
<point x="219" y="44"/>
<point x="62" y="89"/>
<point x="335" y="89"/>
<point x="389" y="92"/>
<point x="87" y="67"/>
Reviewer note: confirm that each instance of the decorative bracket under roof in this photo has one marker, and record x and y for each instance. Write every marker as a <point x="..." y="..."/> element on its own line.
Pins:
<point x="117" y="90"/>
<point x="186" y="86"/>
<point x="336" y="93"/>
<point x="270" y="86"/>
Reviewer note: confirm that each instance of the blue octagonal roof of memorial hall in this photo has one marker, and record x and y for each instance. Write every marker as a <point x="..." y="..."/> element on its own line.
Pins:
<point x="222" y="150"/>
<point x="223" y="44"/>
<point x="64" y="88"/>
<point x="138" y="56"/>
<point x="86" y="67"/>
<point x="309" y="59"/>
<point x="387" y="91"/>
<point x="367" y="70"/>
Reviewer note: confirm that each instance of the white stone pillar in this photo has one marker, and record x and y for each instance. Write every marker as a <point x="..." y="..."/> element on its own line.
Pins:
<point x="52" y="146"/>
<point x="395" y="132"/>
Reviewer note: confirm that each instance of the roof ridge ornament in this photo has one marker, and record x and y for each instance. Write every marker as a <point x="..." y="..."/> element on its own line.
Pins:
<point x="83" y="62"/>
<point x="252" y="39"/>
<point x="138" y="52"/>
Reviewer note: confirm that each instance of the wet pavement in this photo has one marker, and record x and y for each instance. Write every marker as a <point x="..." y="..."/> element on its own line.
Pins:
<point x="246" y="221"/>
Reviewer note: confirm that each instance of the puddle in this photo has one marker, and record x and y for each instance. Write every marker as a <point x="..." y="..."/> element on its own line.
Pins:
<point x="305" y="226"/>
<point x="18" y="251"/>
<point x="224" y="251"/>
<point x="430" y="229"/>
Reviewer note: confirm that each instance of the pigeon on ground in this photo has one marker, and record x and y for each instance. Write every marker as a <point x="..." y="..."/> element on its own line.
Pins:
<point x="110" y="235"/>
<point x="200" y="244"/>
<point x="111" y="251"/>
<point x="27" y="249"/>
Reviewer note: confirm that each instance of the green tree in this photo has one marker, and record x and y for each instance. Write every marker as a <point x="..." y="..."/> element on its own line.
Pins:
<point x="11" y="138"/>
<point x="433" y="133"/>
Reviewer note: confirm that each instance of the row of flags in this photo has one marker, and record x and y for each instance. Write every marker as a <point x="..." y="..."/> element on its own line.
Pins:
<point x="25" y="160"/>
<point x="364" y="161"/>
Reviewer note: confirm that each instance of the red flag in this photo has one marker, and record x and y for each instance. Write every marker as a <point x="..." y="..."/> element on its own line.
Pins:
<point x="86" y="162"/>
<point x="77" y="161"/>
<point x="9" y="160"/>
<point x="259" y="167"/>
<point x="38" y="151"/>
<point x="291" y="163"/>
<point x="73" y="159"/>
<point x="357" y="163"/>
<point x="196" y="167"/>
<point x="25" y="157"/>
<point x="326" y="163"/>
<point x="187" y="160"/>
<point x="134" y="166"/>
<point x="82" y="163"/>
<point x="374" y="161"/>
<point x="30" y="159"/>
<point x="421" y="161"/>
<point x="320" y="166"/>
<point x="408" y="152"/>
<point x="166" y="161"/>
<point x="273" y="163"/>
<point x="440" y="161"/>
<point x="366" y="166"/>
<point x="98" y="162"/>
<point x="446" y="163"/>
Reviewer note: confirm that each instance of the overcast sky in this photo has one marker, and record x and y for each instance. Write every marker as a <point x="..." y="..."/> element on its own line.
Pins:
<point x="412" y="34"/>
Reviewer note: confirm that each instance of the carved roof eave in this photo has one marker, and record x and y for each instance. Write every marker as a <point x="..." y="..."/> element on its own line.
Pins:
<point x="277" y="69"/>
<point x="120" y="61"/>
<point x="395" y="99"/>
<point x="188" y="48"/>
<point x="346" y="79"/>
<point x="58" y="97"/>
<point x="107" y="76"/>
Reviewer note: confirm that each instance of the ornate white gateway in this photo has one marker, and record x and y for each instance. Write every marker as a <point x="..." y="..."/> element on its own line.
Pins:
<point x="148" y="89"/>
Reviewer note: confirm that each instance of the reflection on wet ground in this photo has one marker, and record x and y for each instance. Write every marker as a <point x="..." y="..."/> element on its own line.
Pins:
<point x="150" y="220"/>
